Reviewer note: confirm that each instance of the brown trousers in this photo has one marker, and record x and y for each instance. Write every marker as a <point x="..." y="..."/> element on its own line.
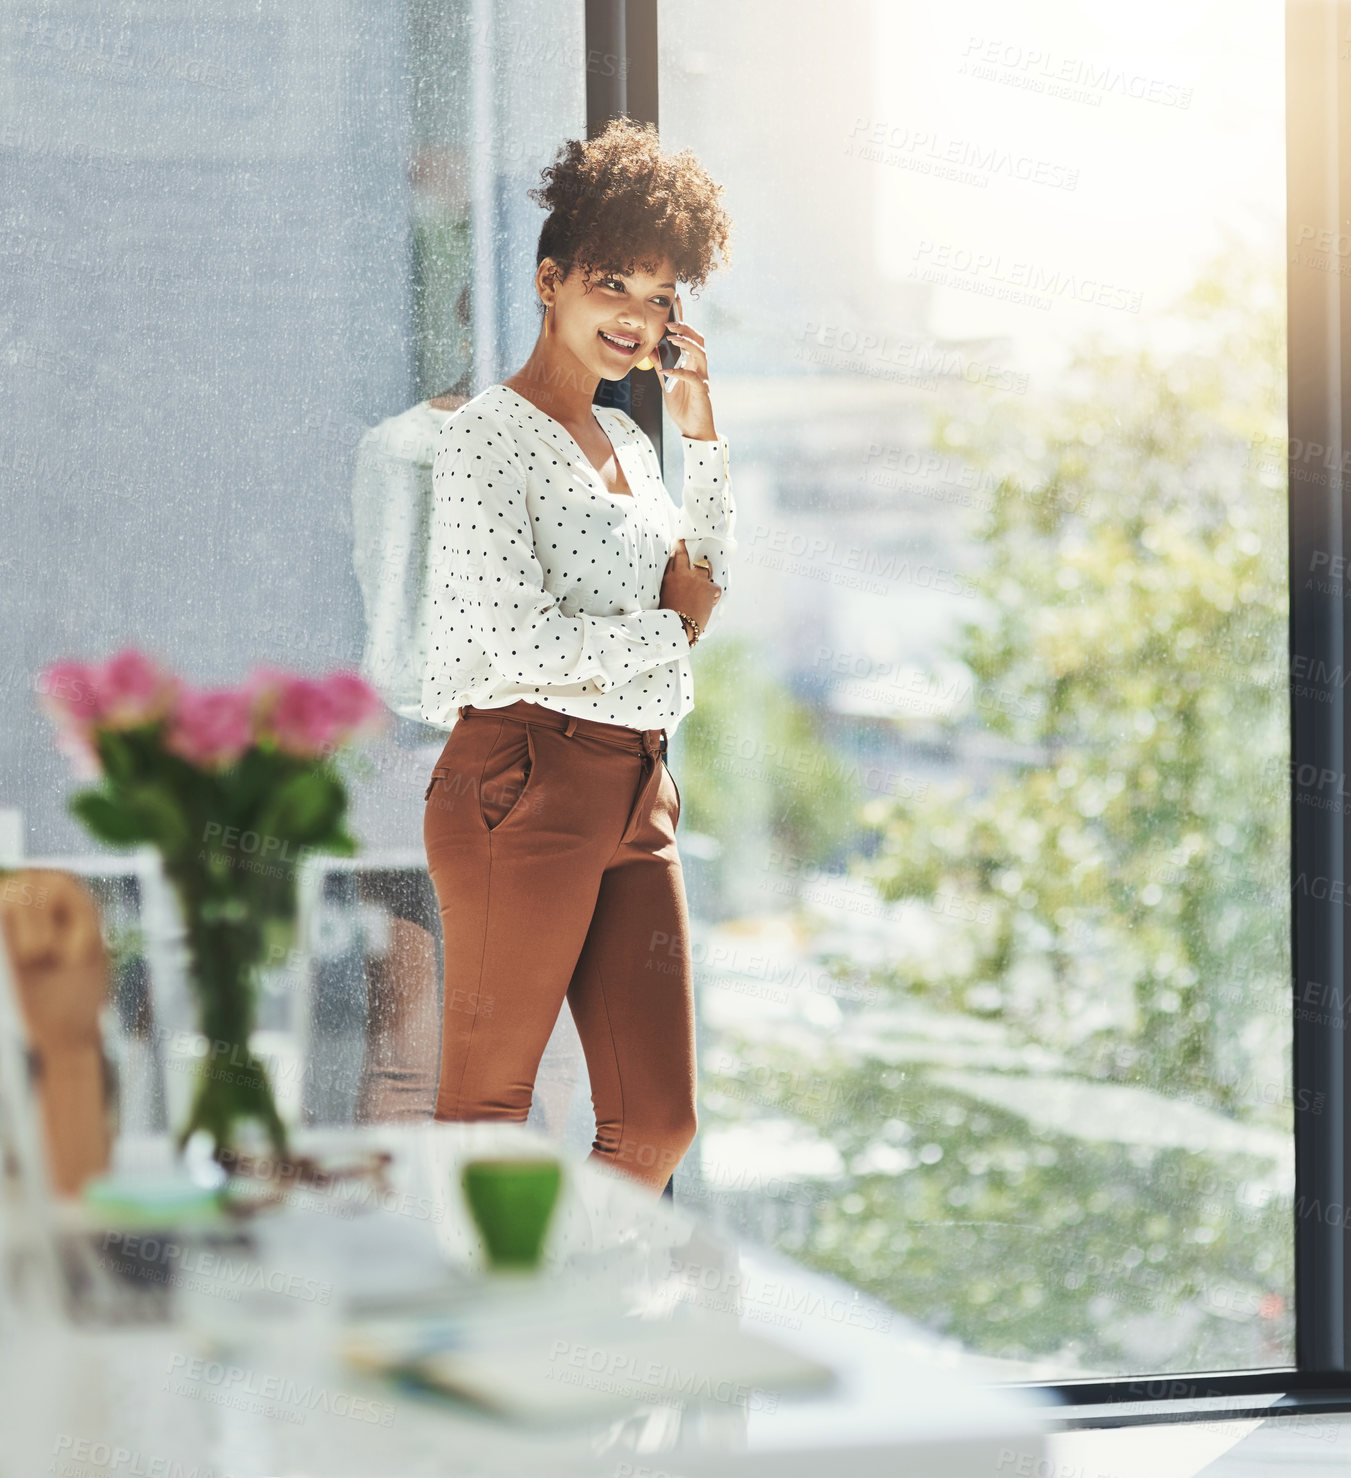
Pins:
<point x="551" y="844"/>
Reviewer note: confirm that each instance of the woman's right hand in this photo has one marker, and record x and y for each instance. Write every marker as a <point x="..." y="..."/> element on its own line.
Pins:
<point x="686" y="588"/>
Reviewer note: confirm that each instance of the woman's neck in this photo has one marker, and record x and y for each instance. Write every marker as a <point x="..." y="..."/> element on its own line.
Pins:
<point x="566" y="390"/>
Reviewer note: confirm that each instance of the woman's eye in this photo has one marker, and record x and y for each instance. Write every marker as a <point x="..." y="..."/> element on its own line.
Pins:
<point x="662" y="302"/>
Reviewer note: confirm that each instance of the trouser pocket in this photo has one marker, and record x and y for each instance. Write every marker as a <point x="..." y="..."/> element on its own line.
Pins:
<point x="508" y="771"/>
<point x="673" y="782"/>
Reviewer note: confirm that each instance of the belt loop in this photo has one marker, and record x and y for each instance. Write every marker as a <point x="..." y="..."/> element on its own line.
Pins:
<point x="572" y="726"/>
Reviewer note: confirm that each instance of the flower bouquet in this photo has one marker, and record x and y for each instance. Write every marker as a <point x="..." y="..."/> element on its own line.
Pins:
<point x="234" y="787"/>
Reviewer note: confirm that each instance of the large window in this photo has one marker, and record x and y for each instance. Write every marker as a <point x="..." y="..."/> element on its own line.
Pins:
<point x="993" y="768"/>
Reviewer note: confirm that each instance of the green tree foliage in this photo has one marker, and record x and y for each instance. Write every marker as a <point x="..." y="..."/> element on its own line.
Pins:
<point x="751" y="754"/>
<point x="1109" y="905"/>
<point x="1135" y="633"/>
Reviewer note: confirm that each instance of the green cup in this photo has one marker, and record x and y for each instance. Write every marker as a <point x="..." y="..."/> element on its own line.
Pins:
<point x="512" y="1203"/>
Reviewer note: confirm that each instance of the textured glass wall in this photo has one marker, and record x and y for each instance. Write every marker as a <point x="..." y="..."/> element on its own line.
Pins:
<point x="235" y="238"/>
<point x="242" y="244"/>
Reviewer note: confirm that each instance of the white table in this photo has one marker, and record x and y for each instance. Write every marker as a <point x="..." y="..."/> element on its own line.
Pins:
<point x="227" y="1390"/>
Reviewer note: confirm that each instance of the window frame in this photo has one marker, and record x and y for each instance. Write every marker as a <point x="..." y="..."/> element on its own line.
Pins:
<point x="621" y="78"/>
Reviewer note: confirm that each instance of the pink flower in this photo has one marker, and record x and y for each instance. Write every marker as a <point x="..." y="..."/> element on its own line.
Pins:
<point x="68" y="692"/>
<point x="360" y="709"/>
<point x="311" y="717"/>
<point x="265" y="681"/>
<point x="303" y="718"/>
<point x="78" y="747"/>
<point x="133" y="689"/>
<point x="211" y="728"/>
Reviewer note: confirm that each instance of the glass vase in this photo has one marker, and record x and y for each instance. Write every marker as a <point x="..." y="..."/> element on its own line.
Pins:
<point x="227" y="939"/>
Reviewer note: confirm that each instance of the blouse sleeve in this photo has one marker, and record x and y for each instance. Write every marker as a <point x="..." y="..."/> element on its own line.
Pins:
<point x="707" y="509"/>
<point x="707" y="518"/>
<point x="388" y="535"/>
<point x="483" y="546"/>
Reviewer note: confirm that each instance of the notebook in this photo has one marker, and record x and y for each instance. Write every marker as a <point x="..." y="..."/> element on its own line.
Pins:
<point x="561" y="1373"/>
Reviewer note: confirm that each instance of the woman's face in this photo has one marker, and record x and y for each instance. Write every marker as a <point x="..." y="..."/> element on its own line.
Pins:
<point x="614" y="323"/>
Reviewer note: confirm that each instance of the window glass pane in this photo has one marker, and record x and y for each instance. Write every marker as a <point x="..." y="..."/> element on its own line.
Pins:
<point x="986" y="788"/>
<point x="241" y="245"/>
<point x="237" y="240"/>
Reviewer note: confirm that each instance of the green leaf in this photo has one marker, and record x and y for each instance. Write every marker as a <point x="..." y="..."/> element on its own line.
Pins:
<point x="110" y="822"/>
<point x="305" y="807"/>
<point x="159" y="815"/>
<point x="119" y="762"/>
<point x="251" y="780"/>
<point x="340" y="843"/>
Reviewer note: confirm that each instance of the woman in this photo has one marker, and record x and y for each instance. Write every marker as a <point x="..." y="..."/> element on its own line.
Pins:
<point x="564" y="604"/>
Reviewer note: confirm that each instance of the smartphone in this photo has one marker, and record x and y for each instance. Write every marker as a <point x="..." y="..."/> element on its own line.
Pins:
<point x="668" y="353"/>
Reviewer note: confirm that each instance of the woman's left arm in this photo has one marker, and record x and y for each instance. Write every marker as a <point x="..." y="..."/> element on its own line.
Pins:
<point x="707" y="518"/>
<point x="707" y="521"/>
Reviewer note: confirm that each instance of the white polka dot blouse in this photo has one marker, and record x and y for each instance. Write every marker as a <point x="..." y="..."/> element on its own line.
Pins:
<point x="546" y="586"/>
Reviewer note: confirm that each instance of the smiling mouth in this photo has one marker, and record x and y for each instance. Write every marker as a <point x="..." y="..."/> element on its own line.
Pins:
<point x="624" y="346"/>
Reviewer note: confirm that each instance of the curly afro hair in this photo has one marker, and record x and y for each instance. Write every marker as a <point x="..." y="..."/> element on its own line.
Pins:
<point x="616" y="202"/>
